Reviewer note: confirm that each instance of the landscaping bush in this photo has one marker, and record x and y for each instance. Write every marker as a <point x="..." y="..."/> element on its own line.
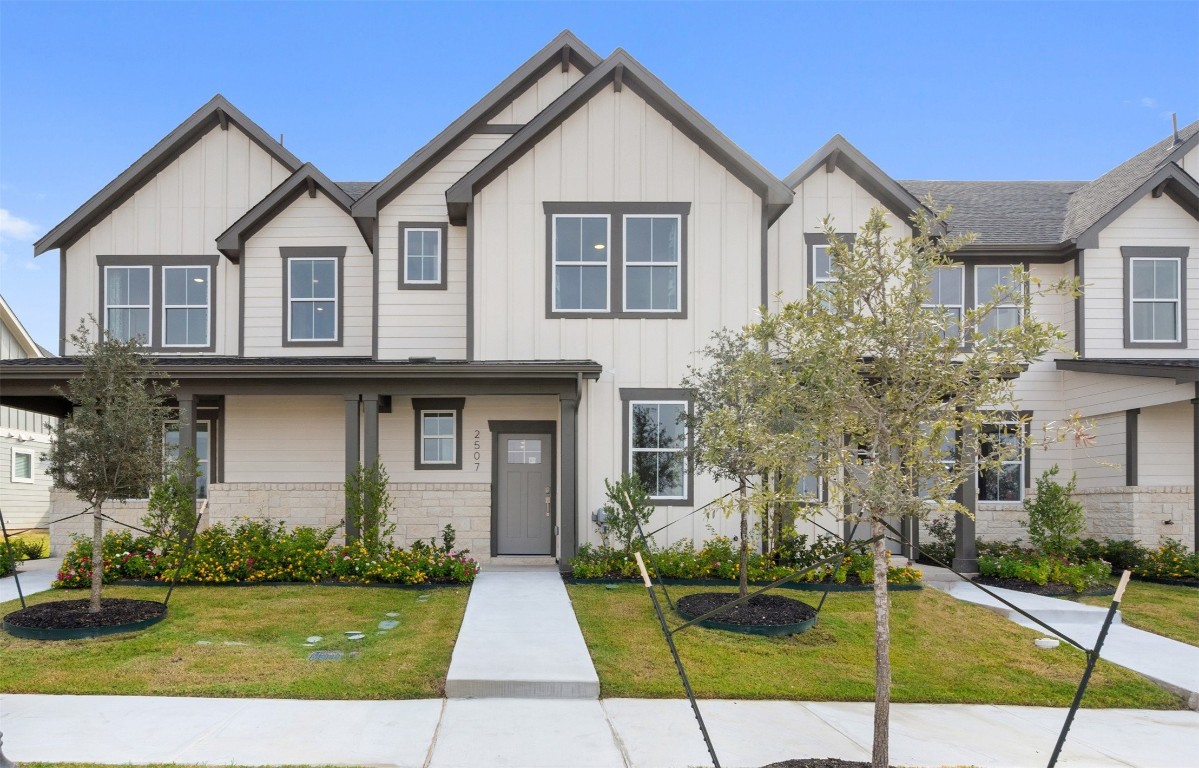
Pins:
<point x="1028" y="565"/>
<point x="941" y="530"/>
<point x="1171" y="560"/>
<point x="1122" y="555"/>
<point x="1054" y="518"/>
<point x="22" y="549"/>
<point x="254" y="551"/>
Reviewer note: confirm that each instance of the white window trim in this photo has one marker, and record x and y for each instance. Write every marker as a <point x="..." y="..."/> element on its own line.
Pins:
<point x="978" y="300"/>
<point x="453" y="436"/>
<point x="683" y="450"/>
<point x="436" y="256"/>
<point x="1176" y="301"/>
<point x="291" y="300"/>
<point x="677" y="263"/>
<point x="819" y="281"/>
<point x="960" y="307"/>
<point x="32" y="466"/>
<point x="554" y="263"/>
<point x="207" y="305"/>
<point x="202" y="460"/>
<point x="1019" y="459"/>
<point x="149" y="307"/>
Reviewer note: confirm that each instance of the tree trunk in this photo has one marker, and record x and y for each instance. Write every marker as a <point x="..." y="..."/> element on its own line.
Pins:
<point x="97" y="558"/>
<point x="882" y="646"/>
<point x="743" y="581"/>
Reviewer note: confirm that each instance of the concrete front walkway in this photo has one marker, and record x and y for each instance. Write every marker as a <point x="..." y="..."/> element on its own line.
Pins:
<point x="520" y="639"/>
<point x="35" y="576"/>
<point x="556" y="733"/>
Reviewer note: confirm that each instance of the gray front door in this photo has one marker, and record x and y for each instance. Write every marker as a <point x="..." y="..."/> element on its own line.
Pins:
<point x="525" y="517"/>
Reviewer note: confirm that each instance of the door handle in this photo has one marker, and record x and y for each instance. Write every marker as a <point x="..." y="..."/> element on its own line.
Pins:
<point x="547" y="502"/>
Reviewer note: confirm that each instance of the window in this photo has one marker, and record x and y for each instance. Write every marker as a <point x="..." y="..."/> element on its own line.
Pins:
<point x="1155" y="299"/>
<point x="186" y="303"/>
<point x="622" y="260"/>
<point x="581" y="257"/>
<point x="312" y="299"/>
<point x="946" y="288"/>
<point x="127" y="303"/>
<point x="652" y="261"/>
<point x="819" y="259"/>
<point x="946" y="451"/>
<point x="997" y="283"/>
<point x="438" y="432"/>
<point x="423" y="255"/>
<point x="656" y="441"/>
<point x="22" y="466"/>
<point x="170" y="442"/>
<point x="1005" y="482"/>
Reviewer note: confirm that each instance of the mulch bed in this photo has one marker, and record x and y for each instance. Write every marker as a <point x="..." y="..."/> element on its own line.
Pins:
<point x="73" y="614"/>
<point x="1052" y="589"/>
<point x="818" y="762"/>
<point x="758" y="611"/>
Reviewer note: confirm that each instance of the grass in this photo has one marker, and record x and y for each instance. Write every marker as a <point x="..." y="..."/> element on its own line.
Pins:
<point x="410" y="661"/>
<point x="148" y="765"/>
<point x="1163" y="609"/>
<point x="942" y="651"/>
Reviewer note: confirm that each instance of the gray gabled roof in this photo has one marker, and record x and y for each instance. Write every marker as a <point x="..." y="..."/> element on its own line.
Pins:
<point x="1002" y="212"/>
<point x="307" y="179"/>
<point x="839" y="153"/>
<point x="1095" y="203"/>
<point x="217" y="112"/>
<point x="565" y="49"/>
<point x="624" y="71"/>
<point x="356" y="189"/>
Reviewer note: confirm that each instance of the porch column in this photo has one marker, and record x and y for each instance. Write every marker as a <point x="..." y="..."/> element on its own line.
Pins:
<point x="965" y="548"/>
<point x="568" y="513"/>
<point x="352" y="454"/>
<point x="370" y="429"/>
<point x="1131" y="457"/>
<point x="1195" y="461"/>
<point x="187" y="429"/>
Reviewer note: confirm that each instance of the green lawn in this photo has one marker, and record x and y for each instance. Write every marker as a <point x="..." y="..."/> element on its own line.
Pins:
<point x="146" y="765"/>
<point x="1159" y="608"/>
<point x="410" y="661"/>
<point x="942" y="650"/>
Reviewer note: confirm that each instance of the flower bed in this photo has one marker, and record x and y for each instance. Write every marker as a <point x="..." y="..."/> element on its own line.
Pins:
<point x="1030" y="566"/>
<point x="718" y="559"/>
<point x="1170" y="563"/>
<point x="258" y="551"/>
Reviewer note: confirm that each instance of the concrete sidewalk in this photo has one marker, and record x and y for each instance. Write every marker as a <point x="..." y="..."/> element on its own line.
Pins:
<point x="520" y="639"/>
<point x="35" y="576"/>
<point x="558" y="733"/>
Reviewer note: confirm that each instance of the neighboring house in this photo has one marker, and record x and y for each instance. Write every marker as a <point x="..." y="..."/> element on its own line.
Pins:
<point x="24" y="440"/>
<point x="505" y="318"/>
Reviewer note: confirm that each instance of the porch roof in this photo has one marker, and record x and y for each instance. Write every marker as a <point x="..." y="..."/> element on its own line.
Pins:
<point x="1182" y="370"/>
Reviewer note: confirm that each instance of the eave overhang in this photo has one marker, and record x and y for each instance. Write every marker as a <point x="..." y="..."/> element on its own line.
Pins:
<point x="1170" y="180"/>
<point x="839" y="153"/>
<point x="1182" y="370"/>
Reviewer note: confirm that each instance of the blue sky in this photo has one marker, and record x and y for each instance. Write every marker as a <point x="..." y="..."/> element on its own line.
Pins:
<point x="928" y="90"/>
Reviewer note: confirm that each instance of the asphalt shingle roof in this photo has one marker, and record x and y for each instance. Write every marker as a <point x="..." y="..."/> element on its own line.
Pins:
<point x="356" y="189"/>
<point x="1002" y="212"/>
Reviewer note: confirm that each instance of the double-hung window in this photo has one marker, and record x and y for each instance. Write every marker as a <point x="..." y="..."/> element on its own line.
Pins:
<point x="822" y="267"/>
<point x="312" y="299"/>
<point x="997" y="283"/>
<point x="946" y="287"/>
<point x="187" y="301"/>
<point x="22" y="466"/>
<point x="652" y="263"/>
<point x="1155" y="300"/>
<point x="581" y="263"/>
<point x="438" y="432"/>
<point x="203" y="452"/>
<point x="656" y="443"/>
<point x="127" y="292"/>
<point x="423" y="255"/>
<point x="1005" y="441"/>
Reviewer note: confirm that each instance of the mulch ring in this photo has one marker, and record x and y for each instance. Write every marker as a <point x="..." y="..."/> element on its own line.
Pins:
<point x="73" y="614"/>
<point x="818" y="762"/>
<point x="1052" y="589"/>
<point x="758" y="611"/>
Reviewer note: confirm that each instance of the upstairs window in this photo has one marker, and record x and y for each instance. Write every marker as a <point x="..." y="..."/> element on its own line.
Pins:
<point x="423" y="255"/>
<point x="187" y="299"/>
<point x="127" y="303"/>
<point x="946" y="288"/>
<point x="998" y="284"/>
<point x="1155" y="300"/>
<point x="822" y="267"/>
<point x="652" y="261"/>
<point x="312" y="299"/>
<point x="581" y="261"/>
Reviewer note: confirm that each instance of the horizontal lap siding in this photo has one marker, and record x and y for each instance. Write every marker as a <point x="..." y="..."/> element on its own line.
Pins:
<point x="1102" y="465"/>
<point x="615" y="148"/>
<point x="1165" y="445"/>
<point x="1098" y="393"/>
<point x="276" y="439"/>
<point x="308" y="221"/>
<point x="1150" y="222"/>
<point x="180" y="211"/>
<point x="25" y="505"/>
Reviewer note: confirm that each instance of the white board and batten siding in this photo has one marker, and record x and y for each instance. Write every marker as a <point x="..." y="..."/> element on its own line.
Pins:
<point x="1149" y="222"/>
<point x="178" y="212"/>
<point x="537" y="97"/>
<point x="306" y="222"/>
<point x="615" y="148"/>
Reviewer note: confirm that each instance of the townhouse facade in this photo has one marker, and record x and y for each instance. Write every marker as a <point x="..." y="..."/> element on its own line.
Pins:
<point x="503" y="320"/>
<point x="24" y="440"/>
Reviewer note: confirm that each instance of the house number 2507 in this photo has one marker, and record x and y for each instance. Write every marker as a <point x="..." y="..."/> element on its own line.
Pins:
<point x="478" y="448"/>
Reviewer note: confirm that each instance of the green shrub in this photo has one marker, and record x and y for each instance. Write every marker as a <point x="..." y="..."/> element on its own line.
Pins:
<point x="944" y="538"/>
<point x="369" y="504"/>
<point x="1054" y="518"/>
<point x="1172" y="560"/>
<point x="1122" y="555"/>
<point x="628" y="504"/>
<point x="1033" y="567"/>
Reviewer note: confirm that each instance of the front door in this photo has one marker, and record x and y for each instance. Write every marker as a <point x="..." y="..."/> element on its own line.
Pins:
<point x="525" y="514"/>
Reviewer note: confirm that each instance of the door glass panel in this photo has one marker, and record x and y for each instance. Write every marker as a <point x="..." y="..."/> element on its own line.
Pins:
<point x="524" y="451"/>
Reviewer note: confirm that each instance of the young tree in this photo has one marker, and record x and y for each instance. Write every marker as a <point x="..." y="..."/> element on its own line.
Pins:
<point x="369" y="506"/>
<point x="728" y="422"/>
<point x="881" y="381"/>
<point x="110" y="447"/>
